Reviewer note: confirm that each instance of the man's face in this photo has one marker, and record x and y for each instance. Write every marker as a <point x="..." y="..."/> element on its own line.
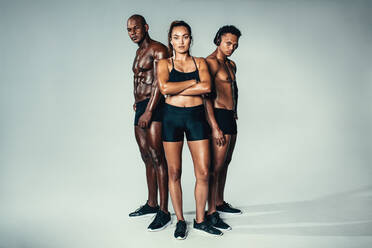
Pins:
<point x="136" y="30"/>
<point x="228" y="44"/>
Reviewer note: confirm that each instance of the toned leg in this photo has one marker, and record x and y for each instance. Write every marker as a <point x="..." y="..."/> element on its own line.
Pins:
<point x="173" y="152"/>
<point x="201" y="156"/>
<point x="157" y="155"/>
<point x="150" y="170"/>
<point x="219" y="154"/>
<point x="223" y="173"/>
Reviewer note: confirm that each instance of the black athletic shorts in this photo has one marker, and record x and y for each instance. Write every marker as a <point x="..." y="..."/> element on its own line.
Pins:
<point x="180" y="120"/>
<point x="157" y="114"/>
<point x="225" y="120"/>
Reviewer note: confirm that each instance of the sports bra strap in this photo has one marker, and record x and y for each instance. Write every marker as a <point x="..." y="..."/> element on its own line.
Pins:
<point x="172" y="63"/>
<point x="196" y="68"/>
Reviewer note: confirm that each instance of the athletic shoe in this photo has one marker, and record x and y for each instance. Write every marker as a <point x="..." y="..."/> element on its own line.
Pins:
<point x="205" y="226"/>
<point x="217" y="222"/>
<point x="226" y="208"/>
<point x="144" y="210"/>
<point x="161" y="221"/>
<point x="181" y="230"/>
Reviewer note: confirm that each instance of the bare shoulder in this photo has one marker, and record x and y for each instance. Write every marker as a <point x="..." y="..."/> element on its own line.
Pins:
<point x="200" y="61"/>
<point x="212" y="57"/>
<point x="212" y="60"/>
<point x="232" y="63"/>
<point x="164" y="63"/>
<point x="159" y="50"/>
<point x="158" y="46"/>
<point x="213" y="64"/>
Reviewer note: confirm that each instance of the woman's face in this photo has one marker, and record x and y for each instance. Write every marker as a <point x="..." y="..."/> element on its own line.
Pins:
<point x="180" y="39"/>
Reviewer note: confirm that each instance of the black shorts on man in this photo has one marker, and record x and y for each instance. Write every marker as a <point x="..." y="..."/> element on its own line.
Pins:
<point x="157" y="114"/>
<point x="226" y="121"/>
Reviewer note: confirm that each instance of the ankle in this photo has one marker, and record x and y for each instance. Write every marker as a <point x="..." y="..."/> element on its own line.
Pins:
<point x="198" y="221"/>
<point x="152" y="204"/>
<point x="165" y="210"/>
<point x="211" y="211"/>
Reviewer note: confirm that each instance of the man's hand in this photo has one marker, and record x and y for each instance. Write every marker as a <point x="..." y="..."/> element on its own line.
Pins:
<point x="144" y="120"/>
<point x="134" y="106"/>
<point x="218" y="136"/>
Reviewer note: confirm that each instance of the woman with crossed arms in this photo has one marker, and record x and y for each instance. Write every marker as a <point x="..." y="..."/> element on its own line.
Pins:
<point x="184" y="79"/>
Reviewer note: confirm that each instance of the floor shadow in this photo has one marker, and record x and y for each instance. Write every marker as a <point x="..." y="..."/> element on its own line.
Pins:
<point x="342" y="214"/>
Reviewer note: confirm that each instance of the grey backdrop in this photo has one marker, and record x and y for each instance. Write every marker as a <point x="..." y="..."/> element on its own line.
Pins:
<point x="70" y="169"/>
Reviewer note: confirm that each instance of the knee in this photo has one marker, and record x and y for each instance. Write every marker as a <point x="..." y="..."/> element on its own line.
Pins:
<point x="213" y="174"/>
<point x="174" y="174"/>
<point x="203" y="175"/>
<point x="156" y="156"/>
<point x="146" y="157"/>
<point x="217" y="167"/>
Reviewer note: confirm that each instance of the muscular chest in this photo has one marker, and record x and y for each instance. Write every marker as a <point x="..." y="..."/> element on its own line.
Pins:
<point x="225" y="74"/>
<point x="143" y="62"/>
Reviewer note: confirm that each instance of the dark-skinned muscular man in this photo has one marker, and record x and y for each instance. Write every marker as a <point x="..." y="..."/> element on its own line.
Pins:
<point x="148" y="106"/>
<point x="222" y="115"/>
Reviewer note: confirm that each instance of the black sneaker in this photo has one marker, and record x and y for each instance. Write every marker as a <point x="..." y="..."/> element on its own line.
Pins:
<point x="205" y="226"/>
<point x="181" y="230"/>
<point x="217" y="222"/>
<point x="226" y="208"/>
<point x="144" y="210"/>
<point x="161" y="221"/>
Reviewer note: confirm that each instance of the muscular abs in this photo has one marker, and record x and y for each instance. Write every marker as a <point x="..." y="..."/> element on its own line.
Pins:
<point x="223" y="90"/>
<point x="143" y="68"/>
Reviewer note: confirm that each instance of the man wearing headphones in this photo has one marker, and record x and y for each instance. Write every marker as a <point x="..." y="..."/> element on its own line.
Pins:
<point x="222" y="115"/>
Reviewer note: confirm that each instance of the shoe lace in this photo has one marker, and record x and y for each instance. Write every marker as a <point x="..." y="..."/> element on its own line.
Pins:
<point x="209" y="225"/>
<point x="157" y="218"/>
<point x="218" y="219"/>
<point x="180" y="227"/>
<point x="227" y="204"/>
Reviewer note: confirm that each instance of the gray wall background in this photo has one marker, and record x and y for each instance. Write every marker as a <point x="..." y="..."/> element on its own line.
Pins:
<point x="67" y="150"/>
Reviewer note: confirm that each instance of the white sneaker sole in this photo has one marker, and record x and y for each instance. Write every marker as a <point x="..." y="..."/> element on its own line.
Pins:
<point x="183" y="238"/>
<point x="208" y="234"/>
<point x="142" y="216"/>
<point x="161" y="228"/>
<point x="224" y="214"/>
<point x="229" y="229"/>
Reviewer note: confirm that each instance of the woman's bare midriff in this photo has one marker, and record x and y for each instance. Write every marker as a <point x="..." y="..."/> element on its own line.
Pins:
<point x="184" y="101"/>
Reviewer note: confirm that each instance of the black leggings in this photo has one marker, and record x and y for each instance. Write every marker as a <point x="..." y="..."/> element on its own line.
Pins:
<point x="180" y="120"/>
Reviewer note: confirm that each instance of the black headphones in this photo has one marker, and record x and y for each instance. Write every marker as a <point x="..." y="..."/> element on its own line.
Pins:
<point x="217" y="38"/>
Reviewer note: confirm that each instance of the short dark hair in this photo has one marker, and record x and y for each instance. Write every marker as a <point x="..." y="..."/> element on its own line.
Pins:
<point x="227" y="29"/>
<point x="141" y="18"/>
<point x="177" y="24"/>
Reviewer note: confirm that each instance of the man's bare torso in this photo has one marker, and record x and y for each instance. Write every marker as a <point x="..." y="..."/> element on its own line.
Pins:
<point x="222" y="85"/>
<point x="143" y="69"/>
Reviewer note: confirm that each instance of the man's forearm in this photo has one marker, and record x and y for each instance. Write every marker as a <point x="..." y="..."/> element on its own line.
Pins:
<point x="154" y="99"/>
<point x="210" y="113"/>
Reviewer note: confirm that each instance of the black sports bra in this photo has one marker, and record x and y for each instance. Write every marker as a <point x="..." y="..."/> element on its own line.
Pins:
<point x="177" y="76"/>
